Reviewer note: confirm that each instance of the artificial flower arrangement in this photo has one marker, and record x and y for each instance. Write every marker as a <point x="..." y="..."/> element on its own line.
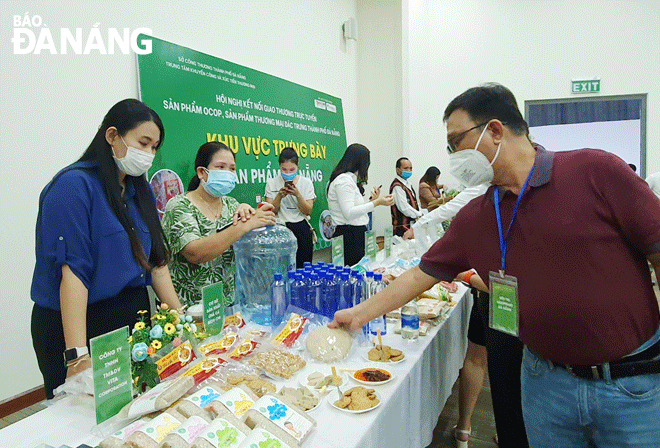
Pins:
<point x="151" y="337"/>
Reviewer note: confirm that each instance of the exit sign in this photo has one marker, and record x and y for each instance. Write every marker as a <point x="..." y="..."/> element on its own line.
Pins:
<point x="588" y="86"/>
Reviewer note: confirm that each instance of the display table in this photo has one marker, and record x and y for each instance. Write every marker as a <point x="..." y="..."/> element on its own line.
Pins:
<point x="410" y="407"/>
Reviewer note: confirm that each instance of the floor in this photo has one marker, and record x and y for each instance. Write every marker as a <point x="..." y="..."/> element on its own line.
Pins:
<point x="483" y="423"/>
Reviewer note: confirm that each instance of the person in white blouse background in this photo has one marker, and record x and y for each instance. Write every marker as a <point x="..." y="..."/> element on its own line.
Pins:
<point x="406" y="207"/>
<point x="348" y="209"/>
<point x="292" y="196"/>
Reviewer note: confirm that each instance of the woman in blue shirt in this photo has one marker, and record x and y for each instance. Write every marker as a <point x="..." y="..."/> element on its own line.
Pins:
<point x="98" y="243"/>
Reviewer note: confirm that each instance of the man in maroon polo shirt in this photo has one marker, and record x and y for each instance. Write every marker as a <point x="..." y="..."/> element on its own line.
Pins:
<point x="565" y="238"/>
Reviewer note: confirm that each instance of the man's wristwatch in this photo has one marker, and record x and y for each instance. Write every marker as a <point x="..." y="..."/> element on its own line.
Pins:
<point x="74" y="353"/>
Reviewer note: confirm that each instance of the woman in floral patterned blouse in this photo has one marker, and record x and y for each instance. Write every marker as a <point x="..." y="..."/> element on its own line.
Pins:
<point x="194" y="225"/>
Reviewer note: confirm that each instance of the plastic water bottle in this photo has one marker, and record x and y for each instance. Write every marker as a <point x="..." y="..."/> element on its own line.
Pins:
<point x="314" y="294"/>
<point x="259" y="254"/>
<point x="379" y="322"/>
<point x="358" y="285"/>
<point x="278" y="299"/>
<point x="368" y="281"/>
<point x="345" y="292"/>
<point x="410" y="320"/>
<point x="289" y="280"/>
<point x="331" y="295"/>
<point x="298" y="291"/>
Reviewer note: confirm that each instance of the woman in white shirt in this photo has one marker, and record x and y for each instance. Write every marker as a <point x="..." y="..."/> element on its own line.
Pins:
<point x="292" y="196"/>
<point x="349" y="211"/>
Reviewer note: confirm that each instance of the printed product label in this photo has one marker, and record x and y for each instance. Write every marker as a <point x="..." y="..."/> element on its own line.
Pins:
<point x="410" y="321"/>
<point x="261" y="438"/>
<point x="203" y="396"/>
<point x="221" y="346"/>
<point x="237" y="401"/>
<point x="235" y="319"/>
<point x="243" y="349"/>
<point x="160" y="426"/>
<point x="222" y="434"/>
<point x="191" y="428"/>
<point x="283" y="416"/>
<point x="205" y="368"/>
<point x="175" y="360"/>
<point x="123" y="433"/>
<point x="292" y="330"/>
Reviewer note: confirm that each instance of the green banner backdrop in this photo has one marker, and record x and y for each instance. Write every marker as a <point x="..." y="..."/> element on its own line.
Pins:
<point x="202" y="98"/>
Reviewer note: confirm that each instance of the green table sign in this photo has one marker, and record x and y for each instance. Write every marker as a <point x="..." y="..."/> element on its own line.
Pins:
<point x="111" y="367"/>
<point x="370" y="246"/>
<point x="338" y="250"/>
<point x="388" y="242"/>
<point x="214" y="308"/>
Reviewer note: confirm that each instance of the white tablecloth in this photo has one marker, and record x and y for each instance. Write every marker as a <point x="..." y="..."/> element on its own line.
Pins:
<point x="410" y="407"/>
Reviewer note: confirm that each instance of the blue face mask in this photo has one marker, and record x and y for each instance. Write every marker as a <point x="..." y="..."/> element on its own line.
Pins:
<point x="406" y="174"/>
<point x="288" y="177"/>
<point x="220" y="183"/>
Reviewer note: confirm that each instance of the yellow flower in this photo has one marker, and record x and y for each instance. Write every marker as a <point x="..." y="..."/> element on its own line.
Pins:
<point x="169" y="328"/>
<point x="130" y="339"/>
<point x="139" y="326"/>
<point x="164" y="306"/>
<point x="156" y="344"/>
<point x="142" y="312"/>
<point x="157" y="317"/>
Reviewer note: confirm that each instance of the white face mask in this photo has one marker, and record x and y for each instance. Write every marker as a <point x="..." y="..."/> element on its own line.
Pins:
<point x="135" y="162"/>
<point x="471" y="167"/>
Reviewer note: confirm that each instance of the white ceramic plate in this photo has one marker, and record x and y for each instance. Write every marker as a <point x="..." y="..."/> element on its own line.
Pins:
<point x="302" y="378"/>
<point x="365" y="356"/>
<point x="316" y="394"/>
<point x="348" y="411"/>
<point x="373" y="383"/>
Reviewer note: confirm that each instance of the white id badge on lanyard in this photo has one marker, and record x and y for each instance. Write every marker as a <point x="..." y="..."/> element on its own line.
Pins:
<point x="504" y="312"/>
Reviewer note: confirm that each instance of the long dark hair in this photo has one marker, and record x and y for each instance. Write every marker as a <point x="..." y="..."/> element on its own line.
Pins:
<point x="204" y="156"/>
<point x="125" y="116"/>
<point x="430" y="175"/>
<point x="355" y="160"/>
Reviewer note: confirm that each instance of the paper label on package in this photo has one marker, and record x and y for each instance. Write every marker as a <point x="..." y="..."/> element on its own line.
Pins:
<point x="160" y="426"/>
<point x="146" y="403"/>
<point x="221" y="346"/>
<point x="191" y="428"/>
<point x="205" y="368"/>
<point x="221" y="433"/>
<point x="235" y="319"/>
<point x="203" y="396"/>
<point x="260" y="437"/>
<point x="243" y="349"/>
<point x="175" y="360"/>
<point x="283" y="416"/>
<point x="237" y="401"/>
<point x="126" y="431"/>
<point x="291" y="331"/>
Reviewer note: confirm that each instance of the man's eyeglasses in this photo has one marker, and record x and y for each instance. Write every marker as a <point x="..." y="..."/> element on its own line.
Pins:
<point x="453" y="142"/>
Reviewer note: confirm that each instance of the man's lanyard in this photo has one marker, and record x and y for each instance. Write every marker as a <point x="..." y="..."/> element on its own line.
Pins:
<point x="503" y="239"/>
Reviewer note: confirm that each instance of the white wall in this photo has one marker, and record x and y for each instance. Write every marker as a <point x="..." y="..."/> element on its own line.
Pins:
<point x="379" y="94"/>
<point x="51" y="106"/>
<point x="534" y="48"/>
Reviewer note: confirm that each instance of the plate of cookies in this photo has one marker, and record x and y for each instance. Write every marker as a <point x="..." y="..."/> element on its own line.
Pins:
<point x="356" y="400"/>
<point x="385" y="353"/>
<point x="319" y="381"/>
<point x="372" y="376"/>
<point x="304" y="398"/>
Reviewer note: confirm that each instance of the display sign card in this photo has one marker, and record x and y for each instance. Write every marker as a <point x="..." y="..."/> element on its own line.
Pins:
<point x="388" y="242"/>
<point x="338" y="250"/>
<point x="503" y="303"/>
<point x="370" y="246"/>
<point x="111" y="370"/>
<point x="214" y="308"/>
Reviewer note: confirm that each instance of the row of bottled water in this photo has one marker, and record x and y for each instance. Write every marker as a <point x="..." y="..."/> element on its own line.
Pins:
<point x="326" y="288"/>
